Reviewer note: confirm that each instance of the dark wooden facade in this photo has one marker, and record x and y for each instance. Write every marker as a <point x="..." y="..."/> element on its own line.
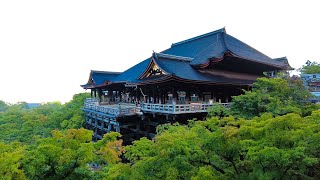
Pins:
<point x="177" y="84"/>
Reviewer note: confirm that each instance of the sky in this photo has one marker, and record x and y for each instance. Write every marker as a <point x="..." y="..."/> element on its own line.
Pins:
<point x="47" y="48"/>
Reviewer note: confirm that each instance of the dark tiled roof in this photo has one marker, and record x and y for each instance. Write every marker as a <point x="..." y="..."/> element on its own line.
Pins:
<point x="132" y="74"/>
<point x="100" y="77"/>
<point x="284" y="61"/>
<point x="181" y="59"/>
<point x="214" y="45"/>
<point x="187" y="72"/>
<point x="176" y="66"/>
<point x="201" y="48"/>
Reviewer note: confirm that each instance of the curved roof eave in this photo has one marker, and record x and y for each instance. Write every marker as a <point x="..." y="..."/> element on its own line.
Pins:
<point x="230" y="53"/>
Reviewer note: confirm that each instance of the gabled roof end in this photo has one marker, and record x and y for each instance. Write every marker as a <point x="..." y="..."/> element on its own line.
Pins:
<point x="169" y="56"/>
<point x="104" y="72"/>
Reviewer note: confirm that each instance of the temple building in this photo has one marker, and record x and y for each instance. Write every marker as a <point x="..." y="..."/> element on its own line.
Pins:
<point x="176" y="84"/>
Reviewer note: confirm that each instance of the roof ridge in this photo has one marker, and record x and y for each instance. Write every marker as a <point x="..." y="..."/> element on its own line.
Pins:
<point x="169" y="56"/>
<point x="210" y="46"/>
<point x="105" y="72"/>
<point x="200" y="36"/>
<point x="280" y="58"/>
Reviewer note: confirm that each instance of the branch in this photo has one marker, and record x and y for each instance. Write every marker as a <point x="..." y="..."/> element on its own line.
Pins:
<point x="214" y="166"/>
<point x="235" y="167"/>
<point x="285" y="172"/>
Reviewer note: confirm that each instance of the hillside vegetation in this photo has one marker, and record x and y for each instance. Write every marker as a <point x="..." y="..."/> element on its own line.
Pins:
<point x="269" y="133"/>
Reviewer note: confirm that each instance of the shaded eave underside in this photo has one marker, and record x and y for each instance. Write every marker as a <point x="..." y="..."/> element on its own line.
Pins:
<point x="229" y="54"/>
<point x="172" y="78"/>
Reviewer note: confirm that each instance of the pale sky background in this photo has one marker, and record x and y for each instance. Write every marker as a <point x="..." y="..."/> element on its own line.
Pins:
<point x="47" y="48"/>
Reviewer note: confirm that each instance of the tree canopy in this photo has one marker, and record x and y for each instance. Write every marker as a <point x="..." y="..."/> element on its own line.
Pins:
<point x="269" y="133"/>
<point x="276" y="95"/>
<point x="266" y="147"/>
<point x="19" y="123"/>
<point x="310" y="68"/>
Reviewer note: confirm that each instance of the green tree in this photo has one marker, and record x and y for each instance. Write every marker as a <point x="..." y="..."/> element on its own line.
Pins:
<point x="281" y="150"/>
<point x="218" y="110"/>
<point x="71" y="154"/>
<point x="18" y="123"/>
<point x="265" y="147"/>
<point x="73" y="116"/>
<point x="10" y="161"/>
<point x="175" y="154"/>
<point x="64" y="155"/>
<point x="275" y="95"/>
<point x="312" y="68"/>
<point x="109" y="149"/>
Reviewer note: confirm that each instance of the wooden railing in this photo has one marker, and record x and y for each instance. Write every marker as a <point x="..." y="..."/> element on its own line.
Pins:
<point x="179" y="108"/>
<point x="122" y="109"/>
<point x="92" y="104"/>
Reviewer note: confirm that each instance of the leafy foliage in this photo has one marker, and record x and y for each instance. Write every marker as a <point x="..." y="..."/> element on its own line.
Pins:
<point x="10" y="161"/>
<point x="265" y="147"/>
<point x="60" y="156"/>
<point x="312" y="68"/>
<point x="109" y="148"/>
<point x="218" y="110"/>
<point x="264" y="140"/>
<point x="276" y="95"/>
<point x="67" y="154"/>
<point x="18" y="123"/>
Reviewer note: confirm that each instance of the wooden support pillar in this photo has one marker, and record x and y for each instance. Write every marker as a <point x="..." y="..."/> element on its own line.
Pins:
<point x="118" y="97"/>
<point x="96" y="126"/>
<point x="174" y="96"/>
<point x="91" y="93"/>
<point x="200" y="94"/>
<point x="87" y="121"/>
<point x="147" y="124"/>
<point x="137" y="94"/>
<point x="109" y="96"/>
<point x="153" y="96"/>
<point x="187" y="95"/>
<point x="109" y="127"/>
<point x="102" y="125"/>
<point x="146" y="96"/>
<point x="149" y="95"/>
<point x="137" y="126"/>
<point x="117" y="127"/>
<point x="163" y="97"/>
<point x="100" y="95"/>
